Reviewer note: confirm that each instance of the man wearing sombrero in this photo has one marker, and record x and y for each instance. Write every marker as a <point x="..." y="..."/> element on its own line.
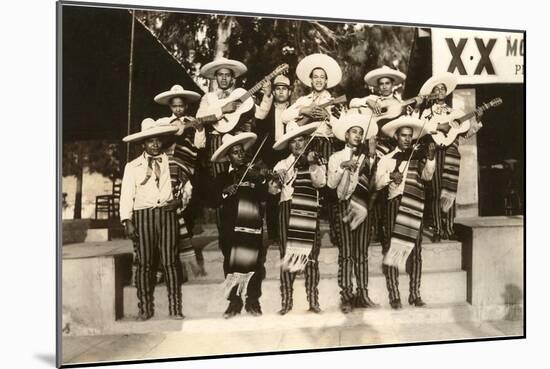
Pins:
<point x="182" y="153"/>
<point x="302" y="175"/>
<point x="403" y="172"/>
<point x="148" y="213"/>
<point x="225" y="72"/>
<point x="349" y="173"/>
<point x="320" y="72"/>
<point x="239" y="193"/>
<point x="443" y="187"/>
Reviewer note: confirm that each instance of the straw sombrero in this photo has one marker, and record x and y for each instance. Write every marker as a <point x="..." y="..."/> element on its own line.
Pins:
<point x="329" y="65"/>
<point x="354" y="120"/>
<point x="448" y="79"/>
<point x="416" y="124"/>
<point x="209" y="70"/>
<point x="247" y="139"/>
<point x="176" y="91"/>
<point x="294" y="131"/>
<point x="372" y="77"/>
<point x="151" y="128"/>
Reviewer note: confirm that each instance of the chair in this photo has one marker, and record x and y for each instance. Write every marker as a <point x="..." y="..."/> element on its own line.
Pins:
<point x="109" y="203"/>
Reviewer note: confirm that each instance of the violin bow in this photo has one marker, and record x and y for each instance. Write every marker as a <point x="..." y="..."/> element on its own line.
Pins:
<point x="253" y="160"/>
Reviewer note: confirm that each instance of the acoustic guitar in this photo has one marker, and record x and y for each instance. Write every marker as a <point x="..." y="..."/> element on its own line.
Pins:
<point x="459" y="122"/>
<point x="338" y="100"/>
<point x="230" y="120"/>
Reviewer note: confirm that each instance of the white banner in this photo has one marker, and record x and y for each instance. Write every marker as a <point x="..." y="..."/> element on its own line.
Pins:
<point x="478" y="57"/>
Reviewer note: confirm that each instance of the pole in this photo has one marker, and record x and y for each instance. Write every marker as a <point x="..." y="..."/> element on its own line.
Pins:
<point x="130" y="76"/>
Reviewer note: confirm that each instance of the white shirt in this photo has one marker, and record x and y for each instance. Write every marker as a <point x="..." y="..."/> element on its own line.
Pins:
<point x="210" y="105"/>
<point x="386" y="165"/>
<point x="292" y="114"/>
<point x="134" y="196"/>
<point x="317" y="172"/>
<point x="200" y="136"/>
<point x="262" y="111"/>
<point x="335" y="172"/>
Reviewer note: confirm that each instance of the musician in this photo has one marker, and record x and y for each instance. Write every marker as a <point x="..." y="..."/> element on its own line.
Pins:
<point x="147" y="211"/>
<point x="404" y="175"/>
<point x="302" y="175"/>
<point x="319" y="72"/>
<point x="441" y="190"/>
<point x="349" y="173"/>
<point x="225" y="72"/>
<point x="239" y="193"/>
<point x="182" y="153"/>
<point x="269" y="114"/>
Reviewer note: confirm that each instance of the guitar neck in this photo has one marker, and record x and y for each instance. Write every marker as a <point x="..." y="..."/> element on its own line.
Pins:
<point x="466" y="117"/>
<point x="258" y="86"/>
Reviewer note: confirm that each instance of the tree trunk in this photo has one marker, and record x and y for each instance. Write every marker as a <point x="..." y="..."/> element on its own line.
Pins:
<point x="78" y="195"/>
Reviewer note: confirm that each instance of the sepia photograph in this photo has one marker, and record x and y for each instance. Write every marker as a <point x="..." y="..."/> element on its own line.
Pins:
<point x="240" y="184"/>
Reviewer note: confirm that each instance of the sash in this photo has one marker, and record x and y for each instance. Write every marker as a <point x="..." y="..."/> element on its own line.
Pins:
<point x="449" y="176"/>
<point x="247" y="240"/>
<point x="302" y="223"/>
<point x="408" y="220"/>
<point x="358" y="207"/>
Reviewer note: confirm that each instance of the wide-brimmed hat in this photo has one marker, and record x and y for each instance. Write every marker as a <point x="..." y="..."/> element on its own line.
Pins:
<point x="281" y="80"/>
<point x="372" y="77"/>
<point x="448" y="79"/>
<point x="354" y="120"/>
<point x="328" y="64"/>
<point x="209" y="70"/>
<point x="176" y="91"/>
<point x="294" y="131"/>
<point x="151" y="128"/>
<point x="416" y="124"/>
<point x="247" y="139"/>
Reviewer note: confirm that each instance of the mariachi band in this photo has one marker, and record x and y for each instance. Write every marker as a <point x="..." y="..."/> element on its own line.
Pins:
<point x="382" y="168"/>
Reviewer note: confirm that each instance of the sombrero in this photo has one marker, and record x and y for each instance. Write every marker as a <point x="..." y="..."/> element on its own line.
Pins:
<point x="416" y="124"/>
<point x="354" y="120"/>
<point x="209" y="70"/>
<point x="294" y="131"/>
<point x="373" y="76"/>
<point x="247" y="139"/>
<point x="176" y="91"/>
<point x="329" y="65"/>
<point x="448" y="79"/>
<point x="150" y="128"/>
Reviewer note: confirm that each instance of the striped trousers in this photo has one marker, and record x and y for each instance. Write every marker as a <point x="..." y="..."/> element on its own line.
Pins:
<point x="158" y="233"/>
<point x="312" y="275"/>
<point x="352" y="256"/>
<point x="442" y="222"/>
<point x="414" y="262"/>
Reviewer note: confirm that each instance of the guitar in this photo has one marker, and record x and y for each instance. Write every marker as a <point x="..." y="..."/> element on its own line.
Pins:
<point x="230" y="120"/>
<point x="392" y="108"/>
<point x="338" y="100"/>
<point x="463" y="125"/>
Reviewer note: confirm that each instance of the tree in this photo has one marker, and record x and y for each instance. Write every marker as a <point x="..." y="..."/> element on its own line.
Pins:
<point x="264" y="43"/>
<point x="104" y="157"/>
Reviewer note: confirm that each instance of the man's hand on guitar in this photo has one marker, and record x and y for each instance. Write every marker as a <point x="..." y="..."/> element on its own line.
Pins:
<point x="375" y="107"/>
<point x="230" y="107"/>
<point x="266" y="88"/>
<point x="396" y="177"/>
<point x="444" y="127"/>
<point x="351" y="165"/>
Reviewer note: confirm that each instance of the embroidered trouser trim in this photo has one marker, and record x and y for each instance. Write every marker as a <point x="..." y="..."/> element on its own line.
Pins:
<point x="442" y="222"/>
<point x="352" y="256"/>
<point x="312" y="275"/>
<point x="158" y="233"/>
<point x="414" y="262"/>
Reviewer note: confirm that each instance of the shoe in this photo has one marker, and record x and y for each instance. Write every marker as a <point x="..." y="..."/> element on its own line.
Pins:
<point x="284" y="310"/>
<point x="436" y="238"/>
<point x="315" y="309"/>
<point x="453" y="237"/>
<point x="444" y="236"/>
<point x="396" y="304"/>
<point x="365" y="303"/>
<point x="178" y="316"/>
<point x="253" y="308"/>
<point x="144" y="316"/>
<point x="346" y="307"/>
<point x="416" y="302"/>
<point x="232" y="310"/>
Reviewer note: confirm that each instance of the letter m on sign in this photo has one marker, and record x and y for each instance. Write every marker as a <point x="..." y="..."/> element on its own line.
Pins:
<point x="456" y="53"/>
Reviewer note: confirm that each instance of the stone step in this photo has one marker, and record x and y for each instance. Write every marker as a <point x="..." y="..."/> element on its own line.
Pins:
<point x="298" y="318"/>
<point x="445" y="256"/>
<point x="202" y="297"/>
